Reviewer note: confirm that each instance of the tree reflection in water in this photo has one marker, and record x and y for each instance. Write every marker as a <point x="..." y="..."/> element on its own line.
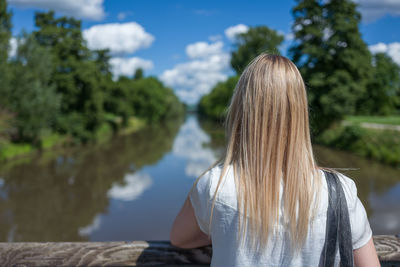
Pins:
<point x="50" y="199"/>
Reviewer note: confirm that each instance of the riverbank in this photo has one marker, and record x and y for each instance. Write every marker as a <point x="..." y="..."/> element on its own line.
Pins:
<point x="381" y="144"/>
<point x="50" y="140"/>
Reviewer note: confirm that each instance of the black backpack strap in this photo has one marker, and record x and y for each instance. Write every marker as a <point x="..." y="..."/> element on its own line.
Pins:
<point x="344" y="229"/>
<point x="338" y="231"/>
<point x="330" y="247"/>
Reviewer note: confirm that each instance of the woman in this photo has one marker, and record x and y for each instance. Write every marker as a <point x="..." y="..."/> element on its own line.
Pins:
<point x="264" y="202"/>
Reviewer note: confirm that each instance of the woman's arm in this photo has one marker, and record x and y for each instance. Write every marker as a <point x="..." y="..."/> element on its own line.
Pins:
<point x="185" y="232"/>
<point x="366" y="256"/>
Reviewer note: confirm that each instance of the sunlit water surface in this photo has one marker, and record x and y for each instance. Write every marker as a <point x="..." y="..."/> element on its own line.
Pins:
<point x="132" y="187"/>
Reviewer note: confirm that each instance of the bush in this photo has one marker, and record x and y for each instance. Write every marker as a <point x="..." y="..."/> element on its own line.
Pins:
<point x="382" y="145"/>
<point x="214" y="105"/>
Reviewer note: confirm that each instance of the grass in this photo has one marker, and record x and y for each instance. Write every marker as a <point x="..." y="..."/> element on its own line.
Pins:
<point x="9" y="150"/>
<point x="390" y="120"/>
<point x="52" y="139"/>
<point x="134" y="124"/>
<point x="104" y="133"/>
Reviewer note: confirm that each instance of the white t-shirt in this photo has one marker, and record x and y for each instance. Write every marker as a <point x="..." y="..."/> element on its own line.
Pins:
<point x="228" y="252"/>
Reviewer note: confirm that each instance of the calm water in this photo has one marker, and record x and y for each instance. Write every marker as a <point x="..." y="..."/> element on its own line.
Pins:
<point x="132" y="187"/>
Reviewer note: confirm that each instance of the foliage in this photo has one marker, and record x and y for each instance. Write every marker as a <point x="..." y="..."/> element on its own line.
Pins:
<point x="251" y="43"/>
<point x="138" y="74"/>
<point x="383" y="91"/>
<point x="381" y="145"/>
<point x="32" y="98"/>
<point x="56" y="87"/>
<point x="6" y="121"/>
<point x="332" y="57"/>
<point x="214" y="104"/>
<point x="5" y="31"/>
<point x="75" y="74"/>
<point x="116" y="92"/>
<point x="149" y="99"/>
<point x="5" y="34"/>
<point x="152" y="101"/>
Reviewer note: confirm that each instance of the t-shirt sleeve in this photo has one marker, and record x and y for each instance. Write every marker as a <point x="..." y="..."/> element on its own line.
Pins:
<point x="360" y="229"/>
<point x="201" y="201"/>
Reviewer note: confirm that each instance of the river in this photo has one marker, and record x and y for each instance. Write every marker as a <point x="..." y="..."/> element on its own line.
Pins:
<point x="132" y="187"/>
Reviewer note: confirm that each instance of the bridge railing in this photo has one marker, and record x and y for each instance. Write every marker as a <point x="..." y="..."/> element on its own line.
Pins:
<point x="137" y="253"/>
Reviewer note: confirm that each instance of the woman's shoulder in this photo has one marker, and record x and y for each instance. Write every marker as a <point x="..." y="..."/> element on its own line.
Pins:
<point x="212" y="175"/>
<point x="205" y="181"/>
<point x="349" y="188"/>
<point x="210" y="180"/>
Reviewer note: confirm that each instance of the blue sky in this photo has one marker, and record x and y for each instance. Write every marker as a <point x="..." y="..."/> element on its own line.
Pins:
<point x="187" y="44"/>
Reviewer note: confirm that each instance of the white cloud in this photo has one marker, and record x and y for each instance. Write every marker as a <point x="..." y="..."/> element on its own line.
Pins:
<point x="189" y="144"/>
<point x="392" y="49"/>
<point x="232" y="31"/>
<point x="378" y="48"/>
<point x="289" y="36"/>
<point x="127" y="66"/>
<point x="215" y="38"/>
<point x="120" y="38"/>
<point x="13" y="47"/>
<point x="135" y="185"/>
<point x="203" y="49"/>
<point x="195" y="78"/>
<point x="89" y="9"/>
<point x="372" y="10"/>
<point x="122" y="15"/>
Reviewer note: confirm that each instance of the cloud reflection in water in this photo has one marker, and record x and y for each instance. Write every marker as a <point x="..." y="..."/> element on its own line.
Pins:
<point x="385" y="218"/>
<point x="134" y="185"/>
<point x="189" y="144"/>
<point x="95" y="225"/>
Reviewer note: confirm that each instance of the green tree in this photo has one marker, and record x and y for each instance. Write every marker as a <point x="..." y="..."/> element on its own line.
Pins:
<point x="75" y="73"/>
<point x="333" y="58"/>
<point x="214" y="104"/>
<point x="33" y="98"/>
<point x="5" y="31"/>
<point x="253" y="42"/>
<point x="102" y="60"/>
<point x="153" y="101"/>
<point x="383" y="92"/>
<point x="5" y="35"/>
<point x="138" y="74"/>
<point x="146" y="98"/>
<point x="117" y="100"/>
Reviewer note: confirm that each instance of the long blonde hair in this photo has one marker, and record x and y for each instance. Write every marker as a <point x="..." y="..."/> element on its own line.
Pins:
<point x="268" y="144"/>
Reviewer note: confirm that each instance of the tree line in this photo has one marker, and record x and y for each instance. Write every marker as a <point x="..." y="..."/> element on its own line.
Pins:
<point x="341" y="75"/>
<point x="55" y="83"/>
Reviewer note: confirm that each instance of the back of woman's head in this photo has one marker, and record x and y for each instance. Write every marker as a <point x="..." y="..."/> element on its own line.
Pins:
<point x="268" y="144"/>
